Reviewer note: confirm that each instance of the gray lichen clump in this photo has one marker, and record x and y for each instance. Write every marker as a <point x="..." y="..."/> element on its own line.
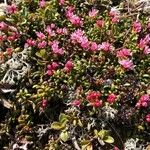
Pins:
<point x="15" y="68"/>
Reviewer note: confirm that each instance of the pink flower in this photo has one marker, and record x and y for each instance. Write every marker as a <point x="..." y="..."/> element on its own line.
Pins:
<point x="105" y="46"/>
<point x="9" y="51"/>
<point x="123" y="53"/>
<point x="61" y="2"/>
<point x="42" y="44"/>
<point x="127" y="64"/>
<point x="84" y="42"/>
<point x="144" y="98"/>
<point x="93" y="13"/>
<point x="114" y="12"/>
<point x="30" y="42"/>
<point x="75" y="20"/>
<point x="111" y="98"/>
<point x="11" y="9"/>
<point x="92" y="96"/>
<point x="50" y="31"/>
<point x="49" y="67"/>
<point x="3" y="26"/>
<point x="40" y="35"/>
<point x="54" y="65"/>
<point x="148" y="118"/>
<point x="136" y="26"/>
<point x="146" y="50"/>
<point x="76" y="103"/>
<point x="44" y="103"/>
<point x="3" y="37"/>
<point x="115" y="148"/>
<point x="93" y="46"/>
<point x="144" y="104"/>
<point x="52" y="25"/>
<point x="68" y="66"/>
<point x="42" y="3"/>
<point x="115" y="20"/>
<point x="97" y="103"/>
<point x="49" y="72"/>
<point x="13" y="36"/>
<point x="56" y="49"/>
<point x="143" y="101"/>
<point x="69" y="12"/>
<point x="100" y="23"/>
<point x="138" y="105"/>
<point x="65" y="31"/>
<point x="142" y="43"/>
<point x="77" y="36"/>
<point x="59" y="30"/>
<point x="147" y="38"/>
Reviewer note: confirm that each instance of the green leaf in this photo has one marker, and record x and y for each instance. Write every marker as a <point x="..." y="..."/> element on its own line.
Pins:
<point x="109" y="139"/>
<point x="56" y="126"/>
<point x="80" y="123"/>
<point x="59" y="125"/>
<point x="102" y="134"/>
<point x="62" y="117"/>
<point x="85" y="144"/>
<point x="64" y="136"/>
<point x="41" y="54"/>
<point x="146" y="75"/>
<point x="38" y="54"/>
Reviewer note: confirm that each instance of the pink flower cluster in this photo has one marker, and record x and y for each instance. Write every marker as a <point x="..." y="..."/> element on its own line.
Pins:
<point x="124" y="53"/>
<point x="100" y="23"/>
<point x="143" y="101"/>
<point x="143" y="44"/>
<point x="41" y="43"/>
<point x="42" y="3"/>
<point x="76" y="103"/>
<point x="3" y="26"/>
<point x="56" y="49"/>
<point x="51" y="68"/>
<point x="41" y="38"/>
<point x="44" y="103"/>
<point x="11" y="35"/>
<point x="93" y="98"/>
<point x="79" y="37"/>
<point x="50" y="31"/>
<point x="53" y="31"/>
<point x="111" y="98"/>
<point x="68" y="66"/>
<point x="136" y="26"/>
<point x="105" y="46"/>
<point x="11" y="9"/>
<point x="114" y="15"/>
<point x="73" y="18"/>
<point x="148" y="118"/>
<point x="30" y="43"/>
<point x="9" y="51"/>
<point x="124" y="61"/>
<point x="93" y="13"/>
<point x="61" y="2"/>
<point x="127" y="64"/>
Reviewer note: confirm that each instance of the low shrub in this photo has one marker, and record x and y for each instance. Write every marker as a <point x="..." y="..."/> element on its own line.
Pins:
<point x="79" y="73"/>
